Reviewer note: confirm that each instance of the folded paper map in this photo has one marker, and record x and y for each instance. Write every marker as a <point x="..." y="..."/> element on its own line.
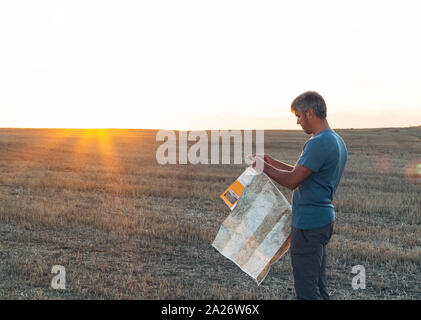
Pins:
<point x="256" y="233"/>
<point x="234" y="191"/>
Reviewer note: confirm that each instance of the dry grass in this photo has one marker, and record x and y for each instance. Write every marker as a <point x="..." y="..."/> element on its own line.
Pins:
<point x="97" y="202"/>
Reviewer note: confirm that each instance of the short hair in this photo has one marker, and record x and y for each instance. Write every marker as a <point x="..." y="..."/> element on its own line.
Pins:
<point x="310" y="100"/>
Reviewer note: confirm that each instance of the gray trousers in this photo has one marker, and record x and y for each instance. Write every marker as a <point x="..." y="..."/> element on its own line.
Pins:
<point x="308" y="259"/>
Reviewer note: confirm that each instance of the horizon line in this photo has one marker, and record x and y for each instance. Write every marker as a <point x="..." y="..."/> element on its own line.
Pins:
<point x="156" y="129"/>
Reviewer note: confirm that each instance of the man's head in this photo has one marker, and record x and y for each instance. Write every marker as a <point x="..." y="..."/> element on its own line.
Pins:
<point x="310" y="110"/>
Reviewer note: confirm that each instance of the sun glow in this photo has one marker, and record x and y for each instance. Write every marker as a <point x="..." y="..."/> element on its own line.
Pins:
<point x="83" y="143"/>
<point x="101" y="141"/>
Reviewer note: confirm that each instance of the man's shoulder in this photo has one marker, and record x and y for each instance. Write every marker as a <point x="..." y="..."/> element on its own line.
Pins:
<point x="340" y="142"/>
<point x="328" y="141"/>
<point x="328" y="137"/>
<point x="335" y="146"/>
<point x="318" y="141"/>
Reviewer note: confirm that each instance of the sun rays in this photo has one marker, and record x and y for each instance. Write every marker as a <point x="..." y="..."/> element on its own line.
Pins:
<point x="62" y="150"/>
<point x="98" y="143"/>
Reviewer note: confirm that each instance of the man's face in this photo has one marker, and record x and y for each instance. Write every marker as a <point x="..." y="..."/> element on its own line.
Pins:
<point x="302" y="120"/>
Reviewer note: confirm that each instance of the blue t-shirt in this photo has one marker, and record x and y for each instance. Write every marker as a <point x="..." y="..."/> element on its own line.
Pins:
<point x="325" y="155"/>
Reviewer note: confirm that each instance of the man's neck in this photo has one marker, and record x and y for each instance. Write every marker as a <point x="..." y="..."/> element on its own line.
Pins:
<point x="322" y="126"/>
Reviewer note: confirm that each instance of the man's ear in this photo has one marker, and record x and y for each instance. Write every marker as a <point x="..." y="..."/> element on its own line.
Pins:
<point x="310" y="114"/>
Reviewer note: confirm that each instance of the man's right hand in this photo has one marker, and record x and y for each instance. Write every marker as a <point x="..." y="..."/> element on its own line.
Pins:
<point x="258" y="162"/>
<point x="266" y="158"/>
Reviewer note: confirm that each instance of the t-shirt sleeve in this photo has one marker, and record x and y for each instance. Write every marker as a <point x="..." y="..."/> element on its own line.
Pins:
<point x="313" y="155"/>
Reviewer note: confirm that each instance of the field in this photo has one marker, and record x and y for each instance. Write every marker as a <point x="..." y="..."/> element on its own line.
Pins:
<point x="124" y="227"/>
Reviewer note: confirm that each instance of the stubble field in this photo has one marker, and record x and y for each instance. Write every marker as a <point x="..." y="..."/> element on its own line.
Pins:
<point x="124" y="227"/>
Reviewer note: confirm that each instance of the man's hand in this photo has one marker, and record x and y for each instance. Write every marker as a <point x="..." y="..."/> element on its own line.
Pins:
<point x="258" y="163"/>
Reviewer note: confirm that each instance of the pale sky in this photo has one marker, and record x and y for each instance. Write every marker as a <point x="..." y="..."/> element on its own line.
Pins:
<point x="207" y="64"/>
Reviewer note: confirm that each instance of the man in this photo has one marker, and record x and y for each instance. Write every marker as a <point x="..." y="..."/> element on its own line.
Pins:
<point x="314" y="179"/>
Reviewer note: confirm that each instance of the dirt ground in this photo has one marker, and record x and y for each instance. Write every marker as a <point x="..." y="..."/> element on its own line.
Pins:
<point x="124" y="227"/>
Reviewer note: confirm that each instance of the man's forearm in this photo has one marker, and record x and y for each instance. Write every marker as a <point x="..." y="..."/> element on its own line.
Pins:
<point x="283" y="177"/>
<point x="279" y="164"/>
